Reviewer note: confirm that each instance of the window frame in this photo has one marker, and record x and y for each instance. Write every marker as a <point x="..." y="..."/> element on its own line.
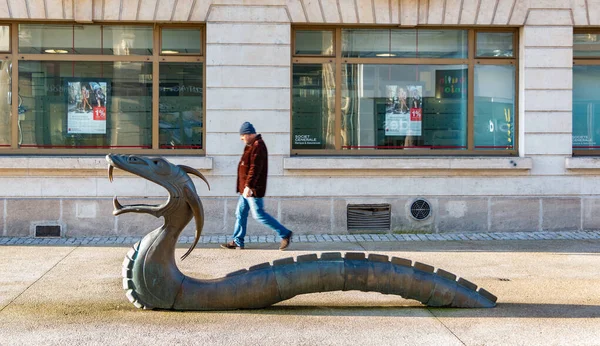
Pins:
<point x="471" y="61"/>
<point x="585" y="61"/>
<point x="156" y="58"/>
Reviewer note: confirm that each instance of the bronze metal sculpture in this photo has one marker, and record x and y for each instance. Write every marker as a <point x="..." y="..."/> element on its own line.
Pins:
<point x="152" y="280"/>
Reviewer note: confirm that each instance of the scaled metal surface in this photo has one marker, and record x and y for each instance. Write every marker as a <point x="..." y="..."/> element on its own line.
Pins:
<point x="153" y="281"/>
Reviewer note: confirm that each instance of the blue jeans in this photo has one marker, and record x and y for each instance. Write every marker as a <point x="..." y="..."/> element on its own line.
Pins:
<point x="255" y="205"/>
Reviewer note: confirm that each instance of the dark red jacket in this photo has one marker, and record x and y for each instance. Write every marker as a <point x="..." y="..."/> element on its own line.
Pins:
<point x="253" y="167"/>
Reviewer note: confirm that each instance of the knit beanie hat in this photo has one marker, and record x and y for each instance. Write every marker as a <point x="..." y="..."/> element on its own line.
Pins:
<point x="247" y="128"/>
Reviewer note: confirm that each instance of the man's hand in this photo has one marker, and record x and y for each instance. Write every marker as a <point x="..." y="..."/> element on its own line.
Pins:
<point x="247" y="192"/>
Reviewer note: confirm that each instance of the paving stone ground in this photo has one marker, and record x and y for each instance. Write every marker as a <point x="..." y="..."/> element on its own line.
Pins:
<point x="69" y="291"/>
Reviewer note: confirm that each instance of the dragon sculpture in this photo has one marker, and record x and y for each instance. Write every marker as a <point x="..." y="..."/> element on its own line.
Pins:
<point x="153" y="281"/>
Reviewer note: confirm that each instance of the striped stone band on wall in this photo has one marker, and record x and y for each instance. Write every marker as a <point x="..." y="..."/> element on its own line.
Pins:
<point x="398" y="12"/>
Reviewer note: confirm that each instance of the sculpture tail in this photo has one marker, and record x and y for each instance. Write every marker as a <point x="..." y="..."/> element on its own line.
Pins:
<point x="264" y="284"/>
<point x="377" y="273"/>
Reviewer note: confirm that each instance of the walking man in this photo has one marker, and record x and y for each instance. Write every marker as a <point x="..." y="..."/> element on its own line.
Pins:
<point x="252" y="185"/>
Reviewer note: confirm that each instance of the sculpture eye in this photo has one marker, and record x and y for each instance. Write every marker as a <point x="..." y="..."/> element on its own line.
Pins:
<point x="133" y="159"/>
<point x="162" y="167"/>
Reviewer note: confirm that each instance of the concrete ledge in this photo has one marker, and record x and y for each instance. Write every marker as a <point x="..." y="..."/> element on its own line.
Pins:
<point x="407" y="163"/>
<point x="582" y="163"/>
<point x="95" y="162"/>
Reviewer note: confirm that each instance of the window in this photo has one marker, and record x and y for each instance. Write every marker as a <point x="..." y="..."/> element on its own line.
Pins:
<point x="88" y="88"/>
<point x="85" y="104"/>
<point x="586" y="101"/>
<point x="403" y="91"/>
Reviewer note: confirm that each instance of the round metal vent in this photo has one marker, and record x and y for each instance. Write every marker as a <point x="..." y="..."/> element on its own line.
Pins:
<point x="420" y="209"/>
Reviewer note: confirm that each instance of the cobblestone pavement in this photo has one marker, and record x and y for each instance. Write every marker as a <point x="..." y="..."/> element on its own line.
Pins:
<point x="318" y="238"/>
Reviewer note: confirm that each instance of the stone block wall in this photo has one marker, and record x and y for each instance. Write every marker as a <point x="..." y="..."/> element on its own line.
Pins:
<point x="463" y="214"/>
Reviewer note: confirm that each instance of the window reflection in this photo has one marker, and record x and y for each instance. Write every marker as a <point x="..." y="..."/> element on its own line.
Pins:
<point x="313" y="42"/>
<point x="313" y="106"/>
<point x="495" y="44"/>
<point x="494" y="107"/>
<point x="181" y="41"/>
<point x="39" y="38"/>
<point x="4" y="38"/>
<point x="180" y="106"/>
<point x="85" y="39"/>
<point x="5" y="102"/>
<point x="64" y="103"/>
<point x="586" y="45"/>
<point x="404" y="43"/>
<point x="127" y="40"/>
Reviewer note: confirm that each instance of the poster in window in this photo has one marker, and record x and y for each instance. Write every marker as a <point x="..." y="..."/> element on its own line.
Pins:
<point x="404" y="110"/>
<point x="86" y="106"/>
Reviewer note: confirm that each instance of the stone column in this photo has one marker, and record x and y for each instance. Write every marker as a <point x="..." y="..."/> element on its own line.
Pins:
<point x="248" y="79"/>
<point x="546" y="80"/>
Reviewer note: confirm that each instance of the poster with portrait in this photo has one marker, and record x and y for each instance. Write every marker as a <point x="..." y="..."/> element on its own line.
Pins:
<point x="404" y="110"/>
<point x="86" y="106"/>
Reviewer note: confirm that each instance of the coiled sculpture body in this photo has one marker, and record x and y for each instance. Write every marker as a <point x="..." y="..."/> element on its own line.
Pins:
<point x="152" y="279"/>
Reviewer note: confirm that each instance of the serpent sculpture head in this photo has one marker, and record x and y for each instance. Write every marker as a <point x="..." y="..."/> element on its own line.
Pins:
<point x="152" y="280"/>
<point x="174" y="178"/>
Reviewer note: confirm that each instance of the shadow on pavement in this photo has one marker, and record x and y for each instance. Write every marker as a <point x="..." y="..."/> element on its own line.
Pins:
<point x="502" y="310"/>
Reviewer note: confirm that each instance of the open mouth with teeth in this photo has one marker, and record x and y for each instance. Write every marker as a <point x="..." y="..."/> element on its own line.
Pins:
<point x="139" y="167"/>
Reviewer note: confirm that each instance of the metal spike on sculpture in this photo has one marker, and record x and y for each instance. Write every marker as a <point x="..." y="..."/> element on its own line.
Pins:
<point x="153" y="281"/>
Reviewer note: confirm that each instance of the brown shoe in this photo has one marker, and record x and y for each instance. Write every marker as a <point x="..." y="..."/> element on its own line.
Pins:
<point x="285" y="242"/>
<point x="232" y="245"/>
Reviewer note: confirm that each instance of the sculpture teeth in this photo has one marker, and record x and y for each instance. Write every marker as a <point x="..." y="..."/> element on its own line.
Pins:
<point x="116" y="204"/>
<point x="110" y="173"/>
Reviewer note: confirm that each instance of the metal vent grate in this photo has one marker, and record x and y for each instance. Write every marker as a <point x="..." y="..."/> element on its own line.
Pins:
<point x="420" y="209"/>
<point x="369" y="217"/>
<point x="47" y="231"/>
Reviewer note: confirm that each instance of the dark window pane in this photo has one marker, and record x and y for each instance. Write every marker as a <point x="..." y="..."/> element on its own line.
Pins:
<point x="181" y="41"/>
<point x="85" y="104"/>
<point x="313" y="106"/>
<point x="5" y="99"/>
<point x="586" y="108"/>
<point x="180" y="106"/>
<point x="495" y="44"/>
<point x="494" y="107"/>
<point x="404" y="106"/>
<point x="586" y="45"/>
<point x="313" y="42"/>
